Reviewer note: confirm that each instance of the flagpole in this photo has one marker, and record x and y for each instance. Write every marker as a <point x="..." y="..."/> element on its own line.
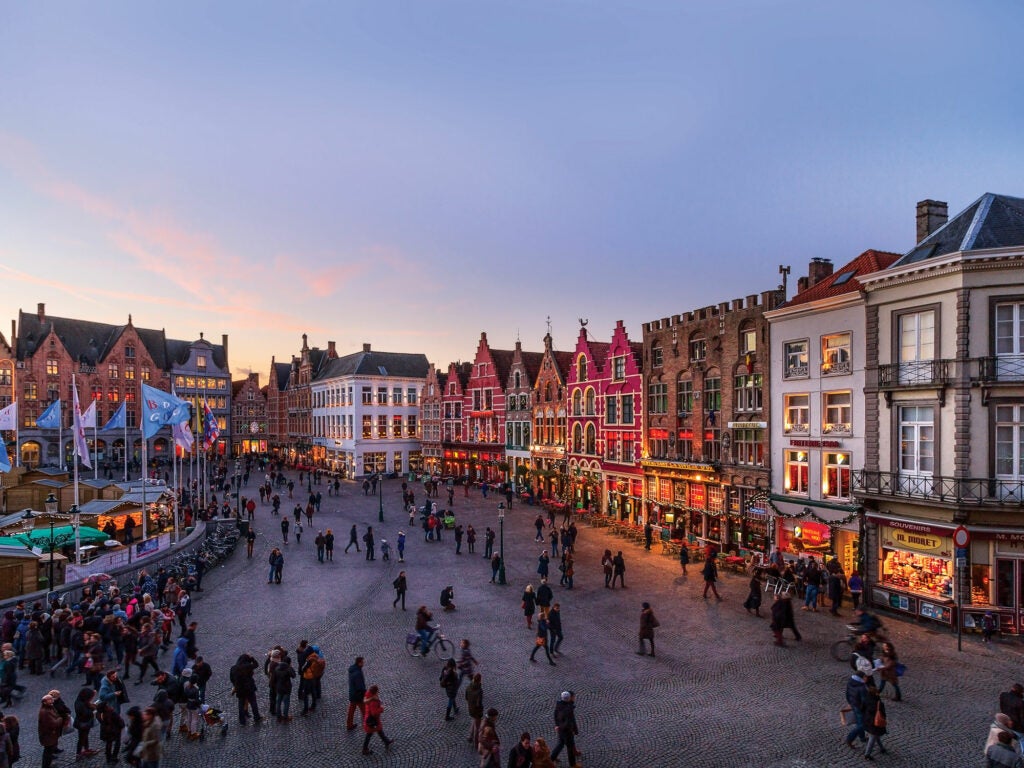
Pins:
<point x="126" y="444"/>
<point x="17" y="436"/>
<point x="95" y="438"/>
<point x="78" y="532"/>
<point x="174" y="492"/>
<point x="145" y="466"/>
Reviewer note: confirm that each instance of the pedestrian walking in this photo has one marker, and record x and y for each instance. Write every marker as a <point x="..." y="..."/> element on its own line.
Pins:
<point x="710" y="574"/>
<point x="891" y="670"/>
<point x="542" y="565"/>
<point x="297" y="513"/>
<point x="400" y="545"/>
<point x="320" y="544"/>
<point x="490" y="745"/>
<point x="475" y="707"/>
<point x="298" y="532"/>
<point x="250" y="540"/>
<point x="373" y="720"/>
<point x="648" y="622"/>
<point x="783" y="617"/>
<point x="753" y="601"/>
<point x="856" y="695"/>
<point x="467" y="662"/>
<point x="835" y="591"/>
<point x="684" y="557"/>
<point x="539" y="525"/>
<point x="385" y="550"/>
<point x="495" y="567"/>
<point x="875" y="722"/>
<point x="608" y="567"/>
<point x="150" y="749"/>
<point x="329" y="544"/>
<point x="541" y="640"/>
<point x="368" y="543"/>
<point x="470" y="539"/>
<point x="400" y="584"/>
<point x="353" y="536"/>
<point x="450" y="682"/>
<point x="619" y="570"/>
<point x="284" y="529"/>
<point x="856" y="587"/>
<point x="529" y="605"/>
<point x="278" y="564"/>
<point x="569" y="573"/>
<point x="553" y="538"/>
<point x="488" y="542"/>
<point x="566" y="727"/>
<point x="356" y="694"/>
<point x="555" y="628"/>
<point x="458" y="539"/>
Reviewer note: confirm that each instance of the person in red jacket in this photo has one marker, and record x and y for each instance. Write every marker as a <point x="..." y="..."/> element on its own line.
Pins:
<point x="372" y="721"/>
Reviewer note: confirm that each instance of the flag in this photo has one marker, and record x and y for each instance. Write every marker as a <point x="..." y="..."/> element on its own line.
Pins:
<point x="183" y="437"/>
<point x="117" y="421"/>
<point x="5" y="460"/>
<point x="9" y="416"/>
<point x="89" y="416"/>
<point x="81" y="446"/>
<point x="51" y="416"/>
<point x="210" y="429"/>
<point x="159" y="409"/>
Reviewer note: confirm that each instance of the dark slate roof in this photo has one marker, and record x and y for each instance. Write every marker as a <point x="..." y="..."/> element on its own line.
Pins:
<point x="844" y="280"/>
<point x="178" y="352"/>
<point x="283" y="373"/>
<point x="502" y="363"/>
<point x="398" y="364"/>
<point x="532" y="361"/>
<point x="991" y="221"/>
<point x="564" y="362"/>
<point x="90" y="342"/>
<point x="318" y="360"/>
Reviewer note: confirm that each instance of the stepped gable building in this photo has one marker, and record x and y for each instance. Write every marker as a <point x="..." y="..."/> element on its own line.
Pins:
<point x="547" y="450"/>
<point x="708" y="457"/>
<point x="299" y="400"/>
<point x="818" y="433"/>
<point x="431" y="408"/>
<point x="620" y="442"/>
<point x="519" y="401"/>
<point x="456" y="454"/>
<point x="483" y="412"/>
<point x="944" y="413"/>
<point x="108" y="363"/>
<point x="365" y="412"/>
<point x="249" y="418"/>
<point x="584" y="387"/>
<point x="277" y="407"/>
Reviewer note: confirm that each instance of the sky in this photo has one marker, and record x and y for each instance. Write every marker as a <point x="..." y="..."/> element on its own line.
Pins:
<point x="410" y="174"/>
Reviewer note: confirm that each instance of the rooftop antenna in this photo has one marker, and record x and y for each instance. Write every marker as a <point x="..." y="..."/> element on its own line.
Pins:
<point x="549" y="325"/>
<point x="784" y="271"/>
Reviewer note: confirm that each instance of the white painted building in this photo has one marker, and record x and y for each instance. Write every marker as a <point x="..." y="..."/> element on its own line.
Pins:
<point x="366" y="407"/>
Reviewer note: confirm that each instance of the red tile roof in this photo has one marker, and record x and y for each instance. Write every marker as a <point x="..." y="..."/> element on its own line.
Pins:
<point x="867" y="262"/>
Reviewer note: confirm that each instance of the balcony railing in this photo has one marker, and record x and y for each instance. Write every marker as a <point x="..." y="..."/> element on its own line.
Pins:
<point x="1009" y="368"/>
<point x="949" y="490"/>
<point x="917" y="373"/>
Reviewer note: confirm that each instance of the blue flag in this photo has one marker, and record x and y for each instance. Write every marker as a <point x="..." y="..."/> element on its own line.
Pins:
<point x="51" y="416"/>
<point x="160" y="409"/>
<point x="117" y="421"/>
<point x="5" y="460"/>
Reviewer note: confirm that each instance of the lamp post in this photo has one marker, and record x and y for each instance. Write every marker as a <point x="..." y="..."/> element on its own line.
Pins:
<point x="78" y="541"/>
<point x="380" y="491"/>
<point x="501" y="543"/>
<point x="238" y="489"/>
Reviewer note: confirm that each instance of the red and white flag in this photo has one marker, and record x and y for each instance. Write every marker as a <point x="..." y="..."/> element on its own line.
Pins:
<point x="9" y="416"/>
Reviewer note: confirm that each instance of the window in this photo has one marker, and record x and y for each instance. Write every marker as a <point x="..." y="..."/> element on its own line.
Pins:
<point x="577" y="438"/>
<point x="382" y="427"/>
<point x="611" y="407"/>
<point x="796" y="472"/>
<point x="917" y="440"/>
<point x="201" y="362"/>
<point x="657" y="443"/>
<point x="31" y="391"/>
<point x="698" y="350"/>
<point x="581" y="369"/>
<point x="713" y="395"/>
<point x="619" y="368"/>
<point x="130" y="418"/>
<point x="1009" y="435"/>
<point x="51" y="367"/>
<point x="835" y="354"/>
<point x="6" y="377"/>
<point x="410" y="426"/>
<point x="748" y="341"/>
<point x="367" y="427"/>
<point x="657" y="398"/>
<point x="591" y="446"/>
<point x="684" y="444"/>
<point x="97" y="392"/>
<point x="748" y="447"/>
<point x="835" y="476"/>
<point x="795" y="359"/>
<point x="590" y="402"/>
<point x="396" y="396"/>
<point x="129" y="352"/>
<point x="144" y="372"/>
<point x="129" y="372"/>
<point x="628" y="450"/>
<point x="684" y="397"/>
<point x="657" y="356"/>
<point x="411" y="396"/>
<point x="250" y="395"/>
<point x="114" y="395"/>
<point x="112" y="371"/>
<point x="611" y="446"/>
<point x="748" y="392"/>
<point x="396" y="426"/>
<point x="1009" y="340"/>
<point x="367" y="395"/>
<point x="797" y="414"/>
<point x="577" y="403"/>
<point x="382" y="395"/>
<point x="917" y="347"/>
<point x="627" y="409"/>
<point x="713" y="444"/>
<point x="838" y="413"/>
<point x="53" y="393"/>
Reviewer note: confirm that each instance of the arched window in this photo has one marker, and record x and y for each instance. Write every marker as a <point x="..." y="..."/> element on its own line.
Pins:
<point x="577" y="403"/>
<point x="517" y="378"/>
<point x="547" y="392"/>
<point x="577" y="439"/>
<point x="591" y="447"/>
<point x="581" y="369"/>
<point x="590" y="402"/>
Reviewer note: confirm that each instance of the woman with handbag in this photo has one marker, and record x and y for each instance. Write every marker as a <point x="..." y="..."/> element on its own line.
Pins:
<point x="372" y="720"/>
<point x="890" y="670"/>
<point x="873" y="711"/>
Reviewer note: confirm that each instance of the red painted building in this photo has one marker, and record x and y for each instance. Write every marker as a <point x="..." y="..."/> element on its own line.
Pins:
<point x="483" y="413"/>
<point x="620" y="441"/>
<point x="585" y="388"/>
<point x="455" y="452"/>
<point x="547" y="449"/>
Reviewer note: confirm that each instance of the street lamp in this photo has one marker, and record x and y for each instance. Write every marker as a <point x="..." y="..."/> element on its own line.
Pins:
<point x="501" y="543"/>
<point x="238" y="490"/>
<point x="78" y="541"/>
<point x="380" y="491"/>
<point x="53" y="541"/>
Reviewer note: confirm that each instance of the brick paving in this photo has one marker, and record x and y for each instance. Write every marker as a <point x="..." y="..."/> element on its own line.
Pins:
<point x="718" y="693"/>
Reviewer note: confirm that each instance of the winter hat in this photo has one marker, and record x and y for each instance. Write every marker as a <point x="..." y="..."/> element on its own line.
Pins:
<point x="186" y="672"/>
<point x="565" y="695"/>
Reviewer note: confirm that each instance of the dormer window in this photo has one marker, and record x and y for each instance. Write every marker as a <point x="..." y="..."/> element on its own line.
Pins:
<point x="581" y="369"/>
<point x="129" y="352"/>
<point x="201" y="362"/>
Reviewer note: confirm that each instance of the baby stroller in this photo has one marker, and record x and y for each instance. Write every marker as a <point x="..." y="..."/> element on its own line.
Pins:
<point x="214" y="718"/>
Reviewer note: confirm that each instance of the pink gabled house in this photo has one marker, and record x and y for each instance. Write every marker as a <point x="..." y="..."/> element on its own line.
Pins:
<point x="585" y="386"/>
<point x="620" y="439"/>
<point x="483" y="412"/>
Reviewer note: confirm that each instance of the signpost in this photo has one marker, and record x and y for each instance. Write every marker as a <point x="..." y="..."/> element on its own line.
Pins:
<point x="961" y="538"/>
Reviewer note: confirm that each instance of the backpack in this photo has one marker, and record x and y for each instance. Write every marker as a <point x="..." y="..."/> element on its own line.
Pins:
<point x="316" y="667"/>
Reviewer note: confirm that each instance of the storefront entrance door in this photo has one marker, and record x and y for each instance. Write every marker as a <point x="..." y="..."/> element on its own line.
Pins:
<point x="1010" y="586"/>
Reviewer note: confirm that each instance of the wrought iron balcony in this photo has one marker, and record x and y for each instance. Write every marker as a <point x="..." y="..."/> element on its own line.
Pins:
<point x="947" y="490"/>
<point x="917" y="373"/>
<point x="1004" y="368"/>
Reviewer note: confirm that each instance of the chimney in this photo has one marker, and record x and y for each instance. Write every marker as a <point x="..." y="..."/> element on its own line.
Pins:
<point x="801" y="284"/>
<point x="330" y="350"/>
<point x="41" y="312"/>
<point x="931" y="214"/>
<point x="818" y="270"/>
<point x="224" y="343"/>
<point x="366" y="347"/>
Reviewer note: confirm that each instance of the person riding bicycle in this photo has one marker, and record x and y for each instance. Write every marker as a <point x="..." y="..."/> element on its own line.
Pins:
<point x="424" y="628"/>
<point x="866" y="623"/>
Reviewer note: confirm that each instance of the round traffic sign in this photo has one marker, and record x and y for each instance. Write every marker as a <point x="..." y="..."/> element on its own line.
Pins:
<point x="961" y="537"/>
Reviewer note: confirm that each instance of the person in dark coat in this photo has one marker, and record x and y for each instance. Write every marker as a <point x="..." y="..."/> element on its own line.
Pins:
<point x="753" y="601"/>
<point x="619" y="570"/>
<point x="554" y="618"/>
<point x="710" y="574"/>
<point x="647" y="624"/>
<point x="450" y="682"/>
<point x="51" y="726"/>
<point x="684" y="557"/>
<point x="542" y="640"/>
<point x="783" y="617"/>
<point x="835" y="590"/>
<point x="283" y="674"/>
<point x="356" y="693"/>
<point x="85" y="719"/>
<point x="400" y="584"/>
<point x="243" y="682"/>
<point x="529" y="605"/>
<point x="873" y="712"/>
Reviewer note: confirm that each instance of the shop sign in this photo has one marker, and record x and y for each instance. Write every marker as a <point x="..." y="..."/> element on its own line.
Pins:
<point x="747" y="424"/>
<point x="937" y="612"/>
<point x="914" y="541"/>
<point x="903" y="525"/>
<point x="815" y="444"/>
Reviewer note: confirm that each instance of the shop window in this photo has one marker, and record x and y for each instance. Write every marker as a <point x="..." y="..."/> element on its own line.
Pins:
<point x="835" y="354"/>
<point x="835" y="480"/>
<point x="931" y="576"/>
<point x="838" y="412"/>
<point x="382" y="427"/>
<point x="657" y="398"/>
<point x="748" y="390"/>
<point x="797" y="414"/>
<point x="396" y="426"/>
<point x="796" y="472"/>
<point x="795" y="359"/>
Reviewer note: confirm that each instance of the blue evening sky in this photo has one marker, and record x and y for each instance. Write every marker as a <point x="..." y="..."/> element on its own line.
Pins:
<point x="410" y="174"/>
